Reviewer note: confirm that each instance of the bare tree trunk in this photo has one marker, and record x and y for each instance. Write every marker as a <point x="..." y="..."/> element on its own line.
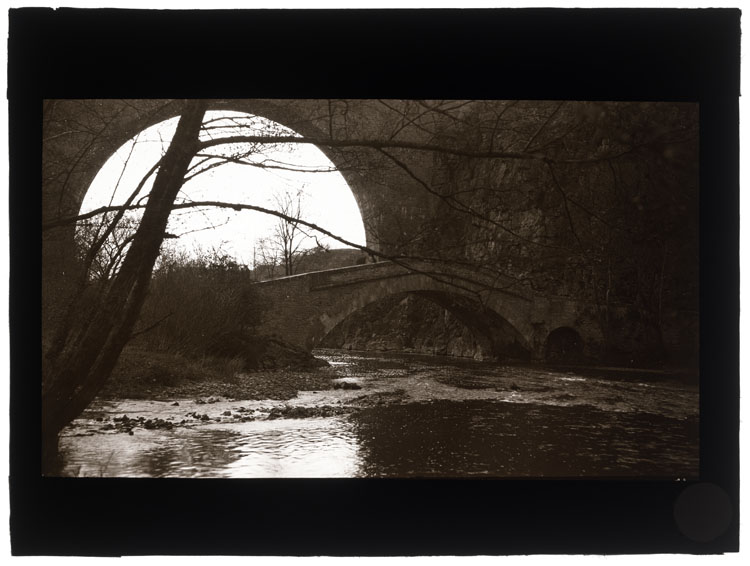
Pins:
<point x="78" y="373"/>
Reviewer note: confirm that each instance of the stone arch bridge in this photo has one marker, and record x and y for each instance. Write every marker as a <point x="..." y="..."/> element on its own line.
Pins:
<point x="303" y="309"/>
<point x="401" y="197"/>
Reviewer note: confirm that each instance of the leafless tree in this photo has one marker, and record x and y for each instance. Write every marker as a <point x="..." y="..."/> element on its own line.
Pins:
<point x="287" y="245"/>
<point x="528" y="191"/>
<point x="112" y="249"/>
<point x="77" y="372"/>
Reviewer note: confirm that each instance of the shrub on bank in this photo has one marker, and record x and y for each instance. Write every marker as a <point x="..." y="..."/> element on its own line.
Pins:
<point x="140" y="372"/>
<point x="198" y="325"/>
<point x="193" y="300"/>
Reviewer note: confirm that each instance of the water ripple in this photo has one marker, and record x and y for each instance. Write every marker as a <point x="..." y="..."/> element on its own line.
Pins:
<point x="414" y="416"/>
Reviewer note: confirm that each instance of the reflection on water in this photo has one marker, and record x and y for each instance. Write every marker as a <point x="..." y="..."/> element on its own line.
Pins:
<point x="316" y="447"/>
<point x="178" y="453"/>
<point x="442" y="418"/>
<point x="491" y="439"/>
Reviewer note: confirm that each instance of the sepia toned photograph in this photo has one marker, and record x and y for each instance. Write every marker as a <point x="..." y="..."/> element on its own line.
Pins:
<point x="373" y="282"/>
<point x="363" y="288"/>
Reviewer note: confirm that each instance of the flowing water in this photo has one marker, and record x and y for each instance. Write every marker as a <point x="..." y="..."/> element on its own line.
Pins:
<point x="411" y="416"/>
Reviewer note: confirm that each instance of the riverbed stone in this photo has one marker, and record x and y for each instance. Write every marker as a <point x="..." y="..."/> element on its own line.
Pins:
<point x="346" y="385"/>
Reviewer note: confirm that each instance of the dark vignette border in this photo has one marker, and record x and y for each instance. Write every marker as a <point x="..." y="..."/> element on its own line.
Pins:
<point x="688" y="55"/>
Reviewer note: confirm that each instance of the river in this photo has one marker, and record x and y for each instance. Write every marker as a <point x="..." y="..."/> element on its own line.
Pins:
<point x="402" y="415"/>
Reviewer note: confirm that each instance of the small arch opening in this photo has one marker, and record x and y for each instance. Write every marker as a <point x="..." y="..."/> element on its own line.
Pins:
<point x="564" y="344"/>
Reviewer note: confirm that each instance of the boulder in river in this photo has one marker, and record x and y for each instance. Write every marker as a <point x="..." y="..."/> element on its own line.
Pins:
<point x="346" y="385"/>
<point x="263" y="352"/>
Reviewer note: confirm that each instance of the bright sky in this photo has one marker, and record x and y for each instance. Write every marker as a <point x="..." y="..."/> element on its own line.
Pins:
<point x="325" y="197"/>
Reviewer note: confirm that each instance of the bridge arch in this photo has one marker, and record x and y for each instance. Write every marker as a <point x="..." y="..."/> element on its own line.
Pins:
<point x="307" y="307"/>
<point x="124" y="126"/>
<point x="482" y="334"/>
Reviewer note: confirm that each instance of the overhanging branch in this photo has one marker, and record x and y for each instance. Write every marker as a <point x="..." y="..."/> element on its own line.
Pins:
<point x="239" y="207"/>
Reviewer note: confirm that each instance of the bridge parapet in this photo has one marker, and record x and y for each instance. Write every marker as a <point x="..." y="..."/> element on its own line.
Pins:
<point x="465" y="280"/>
<point x="355" y="274"/>
<point x="304" y="308"/>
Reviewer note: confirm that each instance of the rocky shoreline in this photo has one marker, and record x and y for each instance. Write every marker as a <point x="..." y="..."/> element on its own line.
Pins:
<point x="185" y="395"/>
<point x="217" y="410"/>
<point x="266" y="384"/>
<point x="146" y="374"/>
<point x="132" y="402"/>
<point x="127" y="424"/>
